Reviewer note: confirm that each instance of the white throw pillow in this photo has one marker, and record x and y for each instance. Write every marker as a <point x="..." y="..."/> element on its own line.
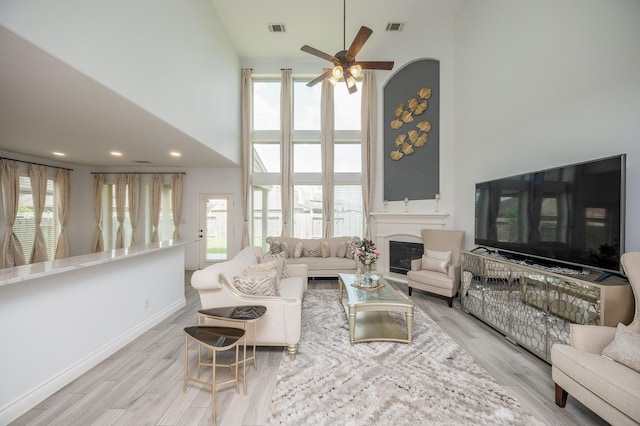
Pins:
<point x="297" y="252"/>
<point x="324" y="249"/>
<point x="258" y="283"/>
<point x="280" y="261"/>
<point x="437" y="261"/>
<point x="342" y="249"/>
<point x="625" y="347"/>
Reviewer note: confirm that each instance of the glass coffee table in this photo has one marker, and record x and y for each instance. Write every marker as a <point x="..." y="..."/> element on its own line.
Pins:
<point x="369" y="312"/>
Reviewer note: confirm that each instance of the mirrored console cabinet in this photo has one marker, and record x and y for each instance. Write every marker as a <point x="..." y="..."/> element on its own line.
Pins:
<point x="533" y="307"/>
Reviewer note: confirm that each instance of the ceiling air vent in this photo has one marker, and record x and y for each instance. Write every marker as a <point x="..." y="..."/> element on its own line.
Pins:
<point x="276" y="28"/>
<point x="395" y="26"/>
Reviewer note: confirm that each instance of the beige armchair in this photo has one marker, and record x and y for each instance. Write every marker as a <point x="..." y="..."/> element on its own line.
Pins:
<point x="434" y="272"/>
<point x="609" y="388"/>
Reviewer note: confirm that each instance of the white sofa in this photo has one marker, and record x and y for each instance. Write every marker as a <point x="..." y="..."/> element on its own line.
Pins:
<point x="319" y="266"/>
<point x="609" y="388"/>
<point x="281" y="324"/>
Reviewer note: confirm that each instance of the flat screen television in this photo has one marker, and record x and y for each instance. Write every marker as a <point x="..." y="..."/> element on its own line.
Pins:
<point x="570" y="215"/>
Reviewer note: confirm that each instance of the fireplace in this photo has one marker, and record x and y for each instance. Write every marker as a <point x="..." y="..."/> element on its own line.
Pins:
<point x="401" y="253"/>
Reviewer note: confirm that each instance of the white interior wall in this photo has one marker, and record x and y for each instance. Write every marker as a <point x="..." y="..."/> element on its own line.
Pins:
<point x="171" y="58"/>
<point x="542" y="84"/>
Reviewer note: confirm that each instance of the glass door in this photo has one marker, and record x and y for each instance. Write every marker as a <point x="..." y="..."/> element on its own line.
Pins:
<point x="216" y="215"/>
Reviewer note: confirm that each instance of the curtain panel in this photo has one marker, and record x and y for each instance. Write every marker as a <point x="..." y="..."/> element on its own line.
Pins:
<point x="155" y="201"/>
<point x="63" y="190"/>
<point x="369" y="145"/>
<point x="327" y="151"/>
<point x="121" y="194"/>
<point x="97" y="242"/>
<point x="246" y="123"/>
<point x="176" y="203"/>
<point x="38" y="178"/>
<point x="133" y="183"/>
<point x="286" y="126"/>
<point x="12" y="254"/>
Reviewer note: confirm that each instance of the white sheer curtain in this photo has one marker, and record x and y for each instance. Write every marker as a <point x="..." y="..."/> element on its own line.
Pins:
<point x="246" y="123"/>
<point x="369" y="145"/>
<point x="38" y="178"/>
<point x="326" y="144"/>
<point x="176" y="203"/>
<point x="63" y="191"/>
<point x="133" y="182"/>
<point x="155" y="200"/>
<point x="97" y="242"/>
<point x="286" y="127"/>
<point x="121" y="194"/>
<point x="12" y="254"/>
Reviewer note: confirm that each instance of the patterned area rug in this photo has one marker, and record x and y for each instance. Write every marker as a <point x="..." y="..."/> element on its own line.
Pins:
<point x="432" y="381"/>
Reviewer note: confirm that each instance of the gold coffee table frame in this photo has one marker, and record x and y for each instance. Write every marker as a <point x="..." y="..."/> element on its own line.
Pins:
<point x="368" y="312"/>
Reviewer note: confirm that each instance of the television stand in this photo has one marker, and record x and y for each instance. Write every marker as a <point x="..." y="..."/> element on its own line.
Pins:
<point x="534" y="307"/>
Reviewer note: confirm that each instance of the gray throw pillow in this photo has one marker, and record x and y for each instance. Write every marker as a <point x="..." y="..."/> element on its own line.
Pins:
<point x="258" y="283"/>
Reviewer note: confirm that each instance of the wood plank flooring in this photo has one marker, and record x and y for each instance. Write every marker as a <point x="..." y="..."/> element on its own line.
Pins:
<point x="142" y="383"/>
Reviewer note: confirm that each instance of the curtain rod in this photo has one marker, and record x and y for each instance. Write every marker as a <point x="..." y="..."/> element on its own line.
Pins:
<point x="37" y="164"/>
<point x="139" y="173"/>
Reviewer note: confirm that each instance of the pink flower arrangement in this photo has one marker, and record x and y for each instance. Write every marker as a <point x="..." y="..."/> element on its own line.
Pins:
<point x="366" y="252"/>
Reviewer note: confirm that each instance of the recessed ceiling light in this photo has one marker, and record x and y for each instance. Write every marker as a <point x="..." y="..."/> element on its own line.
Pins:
<point x="175" y="154"/>
<point x="59" y="154"/>
<point x="116" y="153"/>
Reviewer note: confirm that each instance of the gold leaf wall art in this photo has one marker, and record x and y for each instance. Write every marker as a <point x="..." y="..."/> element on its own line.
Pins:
<point x="406" y="143"/>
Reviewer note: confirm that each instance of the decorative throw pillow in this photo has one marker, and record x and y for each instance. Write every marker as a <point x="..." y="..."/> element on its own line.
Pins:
<point x="342" y="249"/>
<point x="625" y="347"/>
<point x="258" y="283"/>
<point x="275" y="248"/>
<point x="280" y="261"/>
<point x="351" y="246"/>
<point x="437" y="261"/>
<point x="284" y="247"/>
<point x="324" y="249"/>
<point x="311" y="252"/>
<point x="297" y="252"/>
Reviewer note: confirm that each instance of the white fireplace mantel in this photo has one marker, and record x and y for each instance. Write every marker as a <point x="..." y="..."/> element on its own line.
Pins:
<point x="401" y="227"/>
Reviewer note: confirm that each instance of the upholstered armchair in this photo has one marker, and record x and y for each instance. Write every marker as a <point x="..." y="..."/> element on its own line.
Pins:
<point x="438" y="271"/>
<point x="601" y="365"/>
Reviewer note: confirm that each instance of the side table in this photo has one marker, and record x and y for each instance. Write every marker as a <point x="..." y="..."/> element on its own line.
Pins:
<point x="241" y="315"/>
<point x="215" y="339"/>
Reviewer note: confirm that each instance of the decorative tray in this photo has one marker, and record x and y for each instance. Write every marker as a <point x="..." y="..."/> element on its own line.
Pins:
<point x="359" y="285"/>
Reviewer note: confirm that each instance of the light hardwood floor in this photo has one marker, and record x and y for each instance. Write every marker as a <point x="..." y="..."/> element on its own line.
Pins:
<point x="142" y="383"/>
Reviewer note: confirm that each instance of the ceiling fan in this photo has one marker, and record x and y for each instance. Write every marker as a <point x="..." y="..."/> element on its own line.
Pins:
<point x="344" y="62"/>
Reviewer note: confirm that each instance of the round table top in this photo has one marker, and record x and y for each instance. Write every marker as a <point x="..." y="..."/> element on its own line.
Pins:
<point x="239" y="313"/>
<point x="215" y="337"/>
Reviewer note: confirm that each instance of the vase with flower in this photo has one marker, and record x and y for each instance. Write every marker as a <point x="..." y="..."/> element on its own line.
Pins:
<point x="368" y="254"/>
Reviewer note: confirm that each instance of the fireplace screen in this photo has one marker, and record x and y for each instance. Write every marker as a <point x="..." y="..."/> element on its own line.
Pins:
<point x="401" y="254"/>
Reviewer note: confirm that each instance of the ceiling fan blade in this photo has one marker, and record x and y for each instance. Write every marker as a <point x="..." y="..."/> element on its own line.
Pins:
<point x="319" y="54"/>
<point x="358" y="42"/>
<point x="376" y="65"/>
<point x="319" y="78"/>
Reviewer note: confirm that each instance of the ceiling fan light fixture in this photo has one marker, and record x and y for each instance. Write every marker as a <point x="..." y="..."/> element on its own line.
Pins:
<point x="355" y="70"/>
<point x="351" y="81"/>
<point x="337" y="72"/>
<point x="333" y="80"/>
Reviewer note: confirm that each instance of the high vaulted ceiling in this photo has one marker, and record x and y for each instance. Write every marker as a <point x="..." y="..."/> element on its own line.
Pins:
<point x="45" y="103"/>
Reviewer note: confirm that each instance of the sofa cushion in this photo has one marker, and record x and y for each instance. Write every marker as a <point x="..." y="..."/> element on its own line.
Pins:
<point x="297" y="252"/>
<point x="258" y="283"/>
<point x="325" y="263"/>
<point x="609" y="380"/>
<point x="625" y="347"/>
<point x="437" y="261"/>
<point x="431" y="278"/>
<point x="342" y="249"/>
<point x="324" y="249"/>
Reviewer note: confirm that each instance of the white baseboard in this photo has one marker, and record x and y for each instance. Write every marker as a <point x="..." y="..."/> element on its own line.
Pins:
<point x="30" y="399"/>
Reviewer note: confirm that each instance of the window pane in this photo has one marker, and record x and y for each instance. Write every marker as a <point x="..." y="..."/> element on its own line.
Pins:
<point x="25" y="224"/>
<point x="307" y="211"/>
<point x="306" y="106"/>
<point x="216" y="229"/>
<point x="307" y="158"/>
<point x="347" y="108"/>
<point x="348" y="212"/>
<point x="347" y="158"/>
<point x="266" y="214"/>
<point x="266" y="158"/>
<point x="266" y="105"/>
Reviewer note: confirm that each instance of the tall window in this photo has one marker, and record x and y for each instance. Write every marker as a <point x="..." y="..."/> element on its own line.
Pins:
<point x="25" y="224"/>
<point x="306" y="162"/>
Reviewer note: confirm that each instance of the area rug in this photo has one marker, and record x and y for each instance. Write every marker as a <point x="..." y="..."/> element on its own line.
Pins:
<point x="432" y="381"/>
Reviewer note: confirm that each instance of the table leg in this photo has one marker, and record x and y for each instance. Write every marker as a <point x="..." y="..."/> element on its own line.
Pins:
<point x="186" y="363"/>
<point x="352" y="325"/>
<point x="244" y="363"/>
<point x="410" y="325"/>
<point x="255" y="333"/>
<point x="213" y="387"/>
